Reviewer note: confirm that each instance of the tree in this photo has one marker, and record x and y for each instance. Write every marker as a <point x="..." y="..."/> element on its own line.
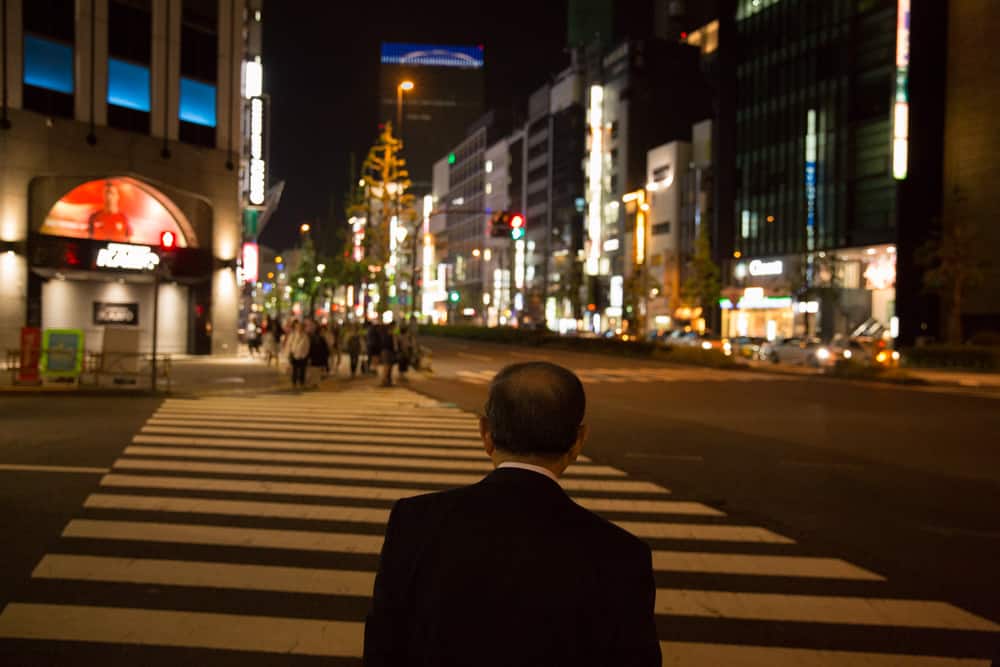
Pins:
<point x="702" y="286"/>
<point x="954" y="265"/>
<point x="315" y="274"/>
<point x="380" y="197"/>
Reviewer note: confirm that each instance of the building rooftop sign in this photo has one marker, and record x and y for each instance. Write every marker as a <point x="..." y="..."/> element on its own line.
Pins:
<point x="432" y="55"/>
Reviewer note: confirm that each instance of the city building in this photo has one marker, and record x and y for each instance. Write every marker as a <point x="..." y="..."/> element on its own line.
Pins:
<point x="971" y="146"/>
<point x="838" y="150"/>
<point x="446" y="97"/>
<point x="466" y="218"/>
<point x="121" y="132"/>
<point x="641" y="94"/>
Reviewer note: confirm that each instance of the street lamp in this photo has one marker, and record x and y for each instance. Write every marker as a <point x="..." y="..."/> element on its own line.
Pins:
<point x="304" y="228"/>
<point x="403" y="87"/>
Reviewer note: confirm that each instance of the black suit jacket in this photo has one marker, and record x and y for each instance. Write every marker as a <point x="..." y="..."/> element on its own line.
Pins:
<point x="510" y="571"/>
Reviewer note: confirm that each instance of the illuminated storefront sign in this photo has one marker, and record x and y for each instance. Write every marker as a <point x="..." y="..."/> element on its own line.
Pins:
<point x="901" y="106"/>
<point x="881" y="272"/>
<point x="127" y="256"/>
<point x="594" y="175"/>
<point x="761" y="268"/>
<point x="253" y="79"/>
<point x="251" y="262"/>
<point x="258" y="171"/>
<point x="760" y="303"/>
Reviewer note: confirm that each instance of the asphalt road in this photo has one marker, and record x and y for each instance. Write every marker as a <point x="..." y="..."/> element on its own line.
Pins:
<point x="794" y="520"/>
<point x="905" y="481"/>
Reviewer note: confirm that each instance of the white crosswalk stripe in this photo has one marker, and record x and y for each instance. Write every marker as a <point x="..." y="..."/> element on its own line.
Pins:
<point x="269" y="496"/>
<point x="650" y="374"/>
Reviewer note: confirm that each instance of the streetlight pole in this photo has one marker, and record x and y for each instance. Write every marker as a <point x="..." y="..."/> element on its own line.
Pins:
<point x="404" y="86"/>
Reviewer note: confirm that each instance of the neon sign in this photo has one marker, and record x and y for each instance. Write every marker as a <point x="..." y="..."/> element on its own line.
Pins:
<point x="127" y="256"/>
<point x="901" y="106"/>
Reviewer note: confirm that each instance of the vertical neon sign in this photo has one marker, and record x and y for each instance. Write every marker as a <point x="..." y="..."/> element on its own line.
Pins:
<point x="901" y="106"/>
<point x="594" y="176"/>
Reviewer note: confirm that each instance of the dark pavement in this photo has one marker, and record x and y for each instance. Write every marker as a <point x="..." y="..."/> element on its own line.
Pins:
<point x="794" y="520"/>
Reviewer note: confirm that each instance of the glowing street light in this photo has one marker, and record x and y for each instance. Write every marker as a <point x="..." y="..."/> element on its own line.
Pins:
<point x="403" y="87"/>
<point x="304" y="228"/>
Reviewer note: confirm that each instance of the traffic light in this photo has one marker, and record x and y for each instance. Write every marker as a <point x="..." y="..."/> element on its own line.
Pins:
<point x="504" y="223"/>
<point x="517" y="226"/>
<point x="454" y="296"/>
<point x="168" y="240"/>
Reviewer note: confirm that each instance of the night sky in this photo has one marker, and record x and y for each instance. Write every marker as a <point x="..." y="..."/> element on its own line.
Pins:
<point x="321" y="70"/>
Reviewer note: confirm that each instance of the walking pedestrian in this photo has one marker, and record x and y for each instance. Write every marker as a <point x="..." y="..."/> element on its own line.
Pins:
<point x="298" y="353"/>
<point x="405" y="349"/>
<point x="319" y="356"/>
<point x="513" y="556"/>
<point x="353" y="342"/>
<point x="335" y="340"/>
<point x="388" y="351"/>
<point x="372" y="346"/>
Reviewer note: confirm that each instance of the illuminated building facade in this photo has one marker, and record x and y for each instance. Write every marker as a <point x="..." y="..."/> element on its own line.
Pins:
<point x="122" y="122"/>
<point x="838" y="116"/>
<point x="447" y="97"/>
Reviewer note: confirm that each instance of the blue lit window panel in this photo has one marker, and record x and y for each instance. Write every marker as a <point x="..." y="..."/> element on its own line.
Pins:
<point x="434" y="55"/>
<point x="128" y="85"/>
<point x="197" y="102"/>
<point x="48" y="64"/>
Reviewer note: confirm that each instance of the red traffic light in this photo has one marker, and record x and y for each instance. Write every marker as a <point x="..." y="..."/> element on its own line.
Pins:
<point x="516" y="221"/>
<point x="168" y="240"/>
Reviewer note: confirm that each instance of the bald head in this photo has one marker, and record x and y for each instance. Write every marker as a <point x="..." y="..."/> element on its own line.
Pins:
<point x="535" y="409"/>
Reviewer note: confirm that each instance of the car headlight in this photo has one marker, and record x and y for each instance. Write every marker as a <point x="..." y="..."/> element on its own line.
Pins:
<point x="705" y="345"/>
<point x="895" y="355"/>
<point x="848" y="354"/>
<point x="727" y="348"/>
<point x="822" y="354"/>
<point x="882" y="357"/>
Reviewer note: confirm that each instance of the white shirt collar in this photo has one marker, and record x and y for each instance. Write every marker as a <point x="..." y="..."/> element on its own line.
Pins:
<point x="528" y="466"/>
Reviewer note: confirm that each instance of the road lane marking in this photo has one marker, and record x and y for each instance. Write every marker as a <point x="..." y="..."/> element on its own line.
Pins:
<point x="819" y="609"/>
<point x="250" y="538"/>
<point x="479" y="464"/>
<point x="82" y="470"/>
<point x="300" y="511"/>
<point x="234" y="632"/>
<point x="469" y="452"/>
<point x="365" y="474"/>
<point x="317" y="437"/>
<point x="477" y="357"/>
<point x="710" y="532"/>
<point x="258" y="487"/>
<point x="647" y="506"/>
<point x="760" y="566"/>
<point x="451" y="417"/>
<point x="689" y="654"/>
<point x="666" y="457"/>
<point x="206" y="575"/>
<point x="311" y="424"/>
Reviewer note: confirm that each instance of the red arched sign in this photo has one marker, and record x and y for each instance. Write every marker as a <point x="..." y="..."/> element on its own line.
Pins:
<point x="113" y="209"/>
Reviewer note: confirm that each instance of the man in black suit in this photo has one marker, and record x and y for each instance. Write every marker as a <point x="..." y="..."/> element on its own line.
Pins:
<point x="510" y="571"/>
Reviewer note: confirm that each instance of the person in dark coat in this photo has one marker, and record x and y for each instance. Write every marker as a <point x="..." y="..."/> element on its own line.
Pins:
<point x="319" y="355"/>
<point x="511" y="571"/>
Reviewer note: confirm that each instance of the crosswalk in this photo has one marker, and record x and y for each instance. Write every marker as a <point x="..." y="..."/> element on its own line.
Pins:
<point x="242" y="529"/>
<point x="641" y="374"/>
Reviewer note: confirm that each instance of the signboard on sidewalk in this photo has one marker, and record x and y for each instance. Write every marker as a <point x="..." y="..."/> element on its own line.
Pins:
<point x="31" y="352"/>
<point x="62" y="353"/>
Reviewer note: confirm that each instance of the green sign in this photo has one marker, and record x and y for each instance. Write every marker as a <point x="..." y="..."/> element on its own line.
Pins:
<point x="62" y="353"/>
